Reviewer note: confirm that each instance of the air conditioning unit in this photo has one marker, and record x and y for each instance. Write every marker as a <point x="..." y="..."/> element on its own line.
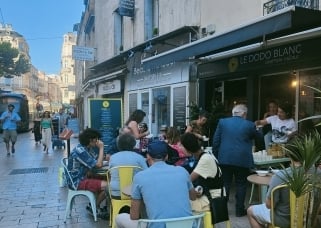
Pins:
<point x="210" y="29"/>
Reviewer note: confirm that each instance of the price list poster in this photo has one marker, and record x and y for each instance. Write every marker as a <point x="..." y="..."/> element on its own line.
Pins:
<point x="106" y="117"/>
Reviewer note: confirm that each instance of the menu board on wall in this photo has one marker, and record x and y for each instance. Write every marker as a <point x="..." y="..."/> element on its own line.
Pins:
<point x="106" y="117"/>
<point x="179" y="108"/>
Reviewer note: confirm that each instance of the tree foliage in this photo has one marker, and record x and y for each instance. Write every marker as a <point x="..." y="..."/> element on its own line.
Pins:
<point x="11" y="62"/>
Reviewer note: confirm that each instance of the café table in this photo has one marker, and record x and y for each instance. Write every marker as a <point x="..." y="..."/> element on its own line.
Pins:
<point x="262" y="162"/>
<point x="262" y="182"/>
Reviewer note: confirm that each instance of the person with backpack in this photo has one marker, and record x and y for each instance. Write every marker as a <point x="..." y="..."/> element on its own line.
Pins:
<point x="206" y="173"/>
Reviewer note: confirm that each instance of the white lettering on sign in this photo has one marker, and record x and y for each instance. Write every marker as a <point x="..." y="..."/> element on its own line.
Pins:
<point x="274" y="55"/>
<point x="83" y="53"/>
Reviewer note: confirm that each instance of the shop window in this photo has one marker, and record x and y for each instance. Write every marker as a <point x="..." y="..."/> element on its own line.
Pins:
<point x="160" y="108"/>
<point x="309" y="98"/>
<point x="132" y="102"/>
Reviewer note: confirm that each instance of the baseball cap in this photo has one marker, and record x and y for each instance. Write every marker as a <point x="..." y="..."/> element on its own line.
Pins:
<point x="157" y="149"/>
<point x="10" y="105"/>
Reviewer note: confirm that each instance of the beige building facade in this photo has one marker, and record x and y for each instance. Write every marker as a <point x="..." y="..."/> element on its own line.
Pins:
<point x="163" y="56"/>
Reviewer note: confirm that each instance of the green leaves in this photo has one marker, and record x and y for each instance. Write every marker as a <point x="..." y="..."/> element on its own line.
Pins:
<point x="307" y="150"/>
<point x="12" y="63"/>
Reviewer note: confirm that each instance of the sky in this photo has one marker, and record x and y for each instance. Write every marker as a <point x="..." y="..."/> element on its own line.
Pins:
<point x="42" y="23"/>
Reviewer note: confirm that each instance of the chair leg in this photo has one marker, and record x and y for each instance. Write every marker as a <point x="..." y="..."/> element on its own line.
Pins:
<point x="68" y="206"/>
<point x="94" y="208"/>
<point x="208" y="220"/>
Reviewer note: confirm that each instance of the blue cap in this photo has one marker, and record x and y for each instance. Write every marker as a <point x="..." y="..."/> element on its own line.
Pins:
<point x="157" y="149"/>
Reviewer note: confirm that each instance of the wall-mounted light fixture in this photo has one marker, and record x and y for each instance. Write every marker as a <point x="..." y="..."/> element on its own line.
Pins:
<point x="148" y="47"/>
<point x="130" y="54"/>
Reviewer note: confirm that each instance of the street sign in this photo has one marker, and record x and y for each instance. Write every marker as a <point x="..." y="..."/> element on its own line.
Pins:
<point x="83" y="53"/>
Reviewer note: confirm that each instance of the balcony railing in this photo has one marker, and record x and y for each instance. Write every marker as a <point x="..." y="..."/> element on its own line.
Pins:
<point x="275" y="5"/>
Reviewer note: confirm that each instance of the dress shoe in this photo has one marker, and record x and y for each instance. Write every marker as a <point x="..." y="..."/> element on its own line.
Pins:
<point x="241" y="213"/>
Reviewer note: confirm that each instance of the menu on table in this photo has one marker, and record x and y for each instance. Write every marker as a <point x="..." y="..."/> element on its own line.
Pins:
<point x="106" y="116"/>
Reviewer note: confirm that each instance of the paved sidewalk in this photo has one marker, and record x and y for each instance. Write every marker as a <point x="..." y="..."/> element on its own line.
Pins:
<point x="34" y="199"/>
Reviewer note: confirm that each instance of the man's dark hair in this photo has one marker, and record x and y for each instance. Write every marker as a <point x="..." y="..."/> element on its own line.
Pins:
<point x="204" y="113"/>
<point x="87" y="135"/>
<point x="190" y="142"/>
<point x="126" y="142"/>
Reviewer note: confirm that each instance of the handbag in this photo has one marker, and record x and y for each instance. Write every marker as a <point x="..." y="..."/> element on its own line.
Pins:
<point x="65" y="134"/>
<point x="218" y="207"/>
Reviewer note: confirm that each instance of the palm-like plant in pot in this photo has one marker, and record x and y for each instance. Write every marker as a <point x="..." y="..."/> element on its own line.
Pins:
<point x="304" y="179"/>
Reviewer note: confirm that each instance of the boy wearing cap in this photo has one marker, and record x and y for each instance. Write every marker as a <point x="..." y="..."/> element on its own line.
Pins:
<point x="165" y="190"/>
<point x="9" y="121"/>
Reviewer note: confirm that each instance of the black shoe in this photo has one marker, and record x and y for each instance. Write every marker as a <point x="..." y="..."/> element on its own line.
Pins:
<point x="13" y="150"/>
<point x="44" y="147"/>
<point x="241" y="213"/>
<point x="8" y="154"/>
<point x="103" y="215"/>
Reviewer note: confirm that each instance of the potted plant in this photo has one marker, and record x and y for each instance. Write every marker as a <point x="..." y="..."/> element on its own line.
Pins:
<point x="301" y="180"/>
<point x="155" y="32"/>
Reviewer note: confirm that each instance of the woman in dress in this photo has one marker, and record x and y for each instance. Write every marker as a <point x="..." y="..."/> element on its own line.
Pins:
<point x="46" y="130"/>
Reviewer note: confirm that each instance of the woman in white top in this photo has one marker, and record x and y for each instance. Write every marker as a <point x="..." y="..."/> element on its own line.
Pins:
<point x="283" y="125"/>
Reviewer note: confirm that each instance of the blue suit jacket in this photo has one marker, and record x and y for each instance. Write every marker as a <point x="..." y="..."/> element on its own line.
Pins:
<point x="233" y="141"/>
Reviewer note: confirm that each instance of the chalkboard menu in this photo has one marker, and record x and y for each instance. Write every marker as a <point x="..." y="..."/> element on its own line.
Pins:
<point x="106" y="117"/>
<point x="179" y="98"/>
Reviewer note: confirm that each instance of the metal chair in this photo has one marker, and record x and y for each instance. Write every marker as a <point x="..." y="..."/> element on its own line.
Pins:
<point x="299" y="207"/>
<point x="73" y="192"/>
<point x="125" y="174"/>
<point x="193" y="221"/>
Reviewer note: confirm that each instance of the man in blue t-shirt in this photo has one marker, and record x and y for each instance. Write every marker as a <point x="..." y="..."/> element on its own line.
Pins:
<point x="165" y="190"/>
<point x="9" y="121"/>
<point x="125" y="157"/>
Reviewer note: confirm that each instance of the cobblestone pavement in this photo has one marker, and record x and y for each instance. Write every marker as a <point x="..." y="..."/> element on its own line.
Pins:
<point x="33" y="198"/>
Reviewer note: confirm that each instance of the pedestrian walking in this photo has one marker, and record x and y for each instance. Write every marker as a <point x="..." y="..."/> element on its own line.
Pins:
<point x="9" y="121"/>
<point x="46" y="130"/>
<point x="62" y="119"/>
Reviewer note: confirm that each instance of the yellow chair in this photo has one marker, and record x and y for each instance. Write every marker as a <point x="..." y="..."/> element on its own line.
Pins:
<point x="208" y="221"/>
<point x="299" y="207"/>
<point x="125" y="174"/>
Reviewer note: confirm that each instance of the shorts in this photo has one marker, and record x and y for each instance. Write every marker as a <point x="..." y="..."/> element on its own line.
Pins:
<point x="93" y="185"/>
<point x="9" y="135"/>
<point x="261" y="214"/>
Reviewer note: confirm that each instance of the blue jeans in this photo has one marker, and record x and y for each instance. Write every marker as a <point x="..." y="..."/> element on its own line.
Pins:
<point x="240" y="175"/>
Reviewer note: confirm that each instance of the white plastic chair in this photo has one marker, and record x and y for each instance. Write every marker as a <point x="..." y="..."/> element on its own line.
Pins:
<point x="73" y="192"/>
<point x="193" y="221"/>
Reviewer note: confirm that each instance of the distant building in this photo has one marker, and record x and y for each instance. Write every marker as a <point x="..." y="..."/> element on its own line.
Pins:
<point x="67" y="69"/>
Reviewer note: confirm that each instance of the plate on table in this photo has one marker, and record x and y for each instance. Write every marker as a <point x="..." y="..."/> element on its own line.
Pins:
<point x="262" y="173"/>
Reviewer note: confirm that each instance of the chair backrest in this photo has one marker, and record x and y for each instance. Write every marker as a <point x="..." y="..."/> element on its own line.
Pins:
<point x="70" y="182"/>
<point x="193" y="221"/>
<point x="300" y="207"/>
<point x="126" y="174"/>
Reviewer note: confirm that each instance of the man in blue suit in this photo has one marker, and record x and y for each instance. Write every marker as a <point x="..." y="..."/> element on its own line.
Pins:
<point x="232" y="146"/>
